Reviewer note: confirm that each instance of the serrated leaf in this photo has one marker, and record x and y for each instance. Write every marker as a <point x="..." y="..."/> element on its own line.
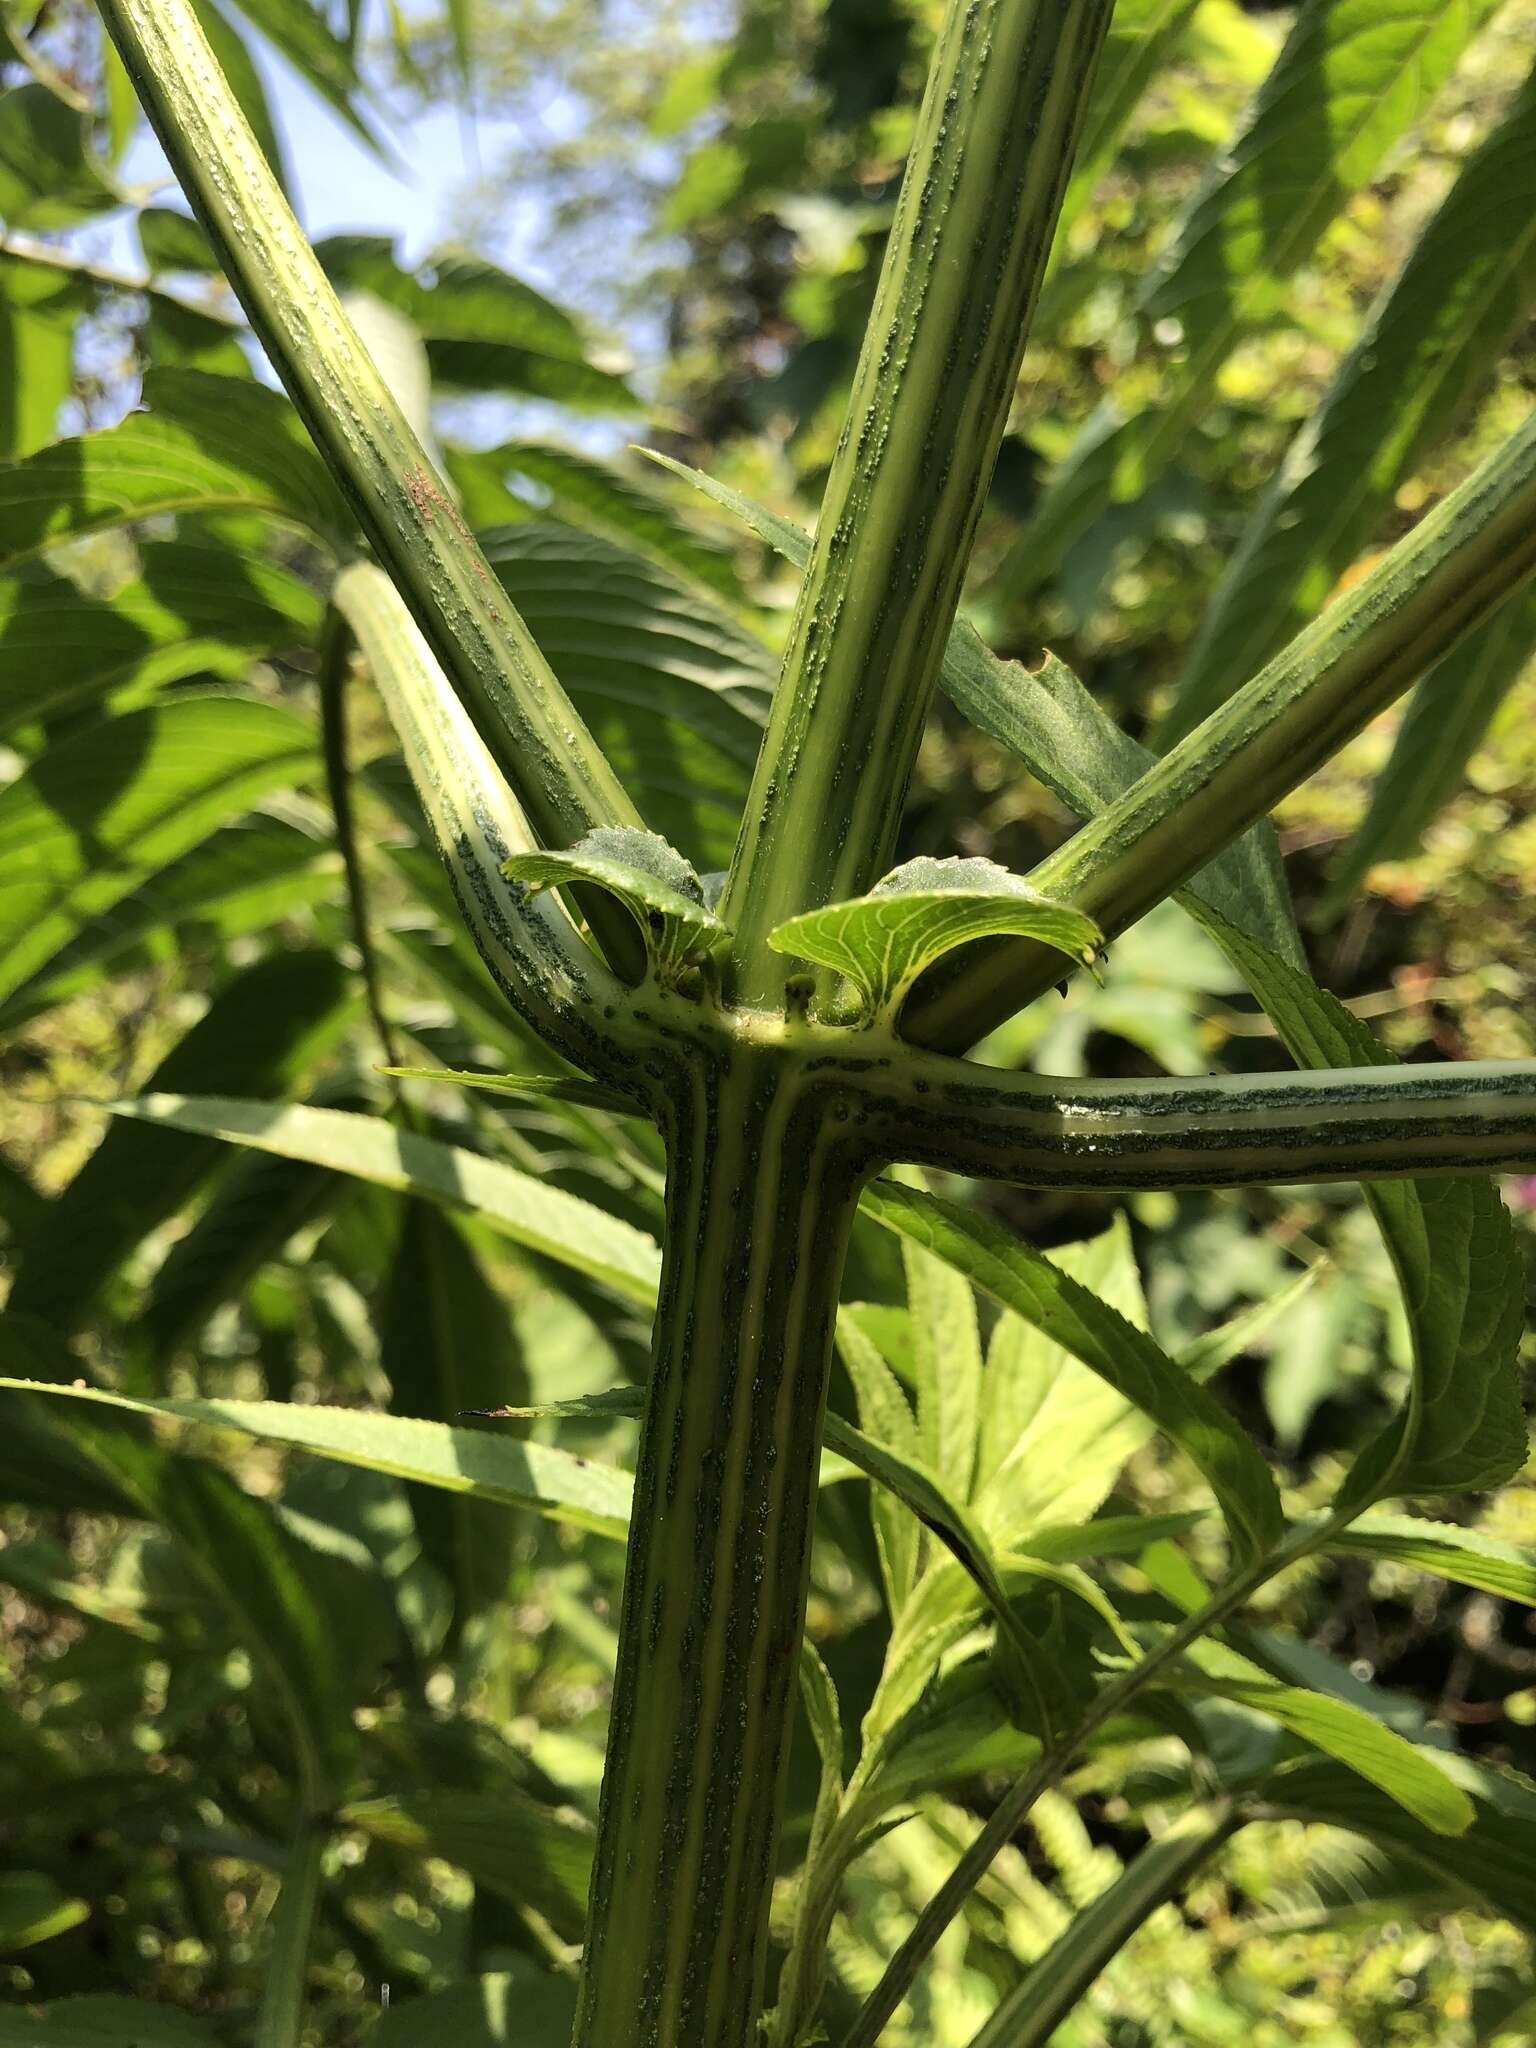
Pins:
<point x="484" y="330"/>
<point x="244" y="877"/>
<point x="1405" y="1772"/>
<point x="884" y="942"/>
<point x="265" y="1027"/>
<point x="97" y="814"/>
<point x="1064" y="737"/>
<point x="209" y="444"/>
<point x="1115" y="1349"/>
<point x="673" y="689"/>
<point x="597" y="497"/>
<point x="1428" y="343"/>
<point x="946" y="1358"/>
<point x="536" y="1215"/>
<point x="887" y="1419"/>
<point x="192" y="609"/>
<point x="1452" y="1243"/>
<point x="1351" y="81"/>
<point x="650" y="878"/>
<point x="467" y="1461"/>
<point x="322" y="59"/>
<point x="1465" y="1556"/>
<point x="1054" y="1434"/>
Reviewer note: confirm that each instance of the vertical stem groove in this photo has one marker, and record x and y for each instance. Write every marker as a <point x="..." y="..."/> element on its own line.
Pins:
<point x="759" y="1203"/>
<point x="989" y="163"/>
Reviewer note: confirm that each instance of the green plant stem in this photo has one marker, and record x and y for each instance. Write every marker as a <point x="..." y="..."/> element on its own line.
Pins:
<point x="1034" y="2009"/>
<point x="549" y="975"/>
<point x="1226" y="1130"/>
<point x="1438" y="583"/>
<point x="759" y="1204"/>
<point x="280" y="2023"/>
<point x="989" y="162"/>
<point x="335" y="647"/>
<point x="406" y="510"/>
<point x="1008" y="1816"/>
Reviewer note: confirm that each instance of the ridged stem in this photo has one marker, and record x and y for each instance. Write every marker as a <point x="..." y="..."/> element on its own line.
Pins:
<point x="404" y="507"/>
<point x="1371" y="643"/>
<point x="759" y="1203"/>
<point x="989" y="162"/>
<point x="1224" y="1130"/>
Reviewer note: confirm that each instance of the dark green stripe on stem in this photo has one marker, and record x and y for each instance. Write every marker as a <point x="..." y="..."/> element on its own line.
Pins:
<point x="759" y="1203"/>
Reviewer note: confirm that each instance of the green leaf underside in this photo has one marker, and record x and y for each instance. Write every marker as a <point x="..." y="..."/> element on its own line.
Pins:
<point x="1428" y="343"/>
<point x="1403" y="1770"/>
<point x="542" y="1218"/>
<point x="1126" y="1357"/>
<point x="1465" y="1556"/>
<point x="884" y="941"/>
<point x="209" y="444"/>
<point x="1452" y="1243"/>
<point x="111" y="804"/>
<point x="651" y="879"/>
<point x="494" y="1468"/>
<point x="1059" y="731"/>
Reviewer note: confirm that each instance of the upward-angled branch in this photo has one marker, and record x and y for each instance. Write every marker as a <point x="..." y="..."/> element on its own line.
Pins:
<point x="529" y="724"/>
<point x="989" y="162"/>
<point x="1438" y="583"/>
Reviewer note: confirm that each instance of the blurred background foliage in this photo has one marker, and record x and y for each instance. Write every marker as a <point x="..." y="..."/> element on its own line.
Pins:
<point x="714" y="185"/>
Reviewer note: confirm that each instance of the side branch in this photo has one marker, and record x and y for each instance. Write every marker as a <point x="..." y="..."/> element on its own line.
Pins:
<point x="549" y="975"/>
<point x="404" y="507"/>
<point x="1439" y="582"/>
<point x="989" y="162"/>
<point x="1352" y="1123"/>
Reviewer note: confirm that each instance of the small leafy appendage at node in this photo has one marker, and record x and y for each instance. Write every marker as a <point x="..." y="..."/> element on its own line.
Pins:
<point x="650" y="878"/>
<point x="883" y="942"/>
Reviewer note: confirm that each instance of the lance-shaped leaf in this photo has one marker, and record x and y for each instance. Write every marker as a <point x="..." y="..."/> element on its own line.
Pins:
<point x="542" y="1218"/>
<point x="1466" y="1556"/>
<point x="1445" y="719"/>
<point x="884" y="941"/>
<point x="552" y="1483"/>
<point x="1352" y="79"/>
<point x="265" y="1028"/>
<point x="1428" y="344"/>
<point x="1403" y="1770"/>
<point x="1452" y="1243"/>
<point x="108" y="806"/>
<point x="210" y="444"/>
<point x="1059" y="730"/>
<point x="192" y="609"/>
<point x="1126" y="1357"/>
<point x="651" y="879"/>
